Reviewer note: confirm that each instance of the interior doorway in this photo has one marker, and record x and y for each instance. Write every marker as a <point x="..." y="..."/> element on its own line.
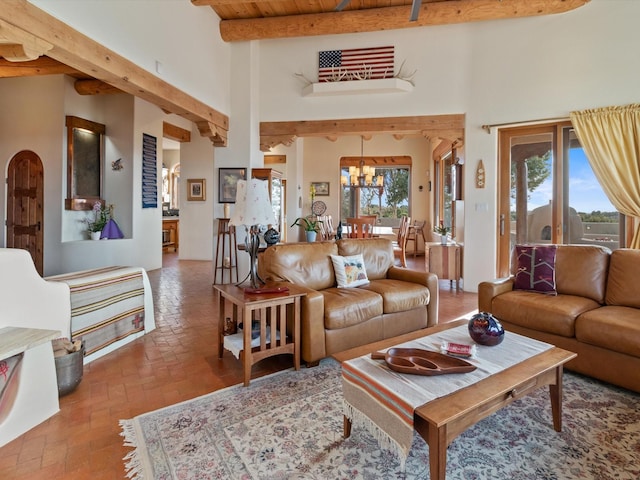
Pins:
<point x="25" y="206"/>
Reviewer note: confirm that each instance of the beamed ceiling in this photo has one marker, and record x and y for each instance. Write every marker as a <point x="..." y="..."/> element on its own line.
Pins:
<point x="34" y="43"/>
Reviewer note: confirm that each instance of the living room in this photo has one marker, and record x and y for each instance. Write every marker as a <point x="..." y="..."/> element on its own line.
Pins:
<point x="497" y="72"/>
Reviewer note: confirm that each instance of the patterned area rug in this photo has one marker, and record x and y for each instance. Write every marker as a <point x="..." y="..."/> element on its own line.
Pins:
<point x="289" y="426"/>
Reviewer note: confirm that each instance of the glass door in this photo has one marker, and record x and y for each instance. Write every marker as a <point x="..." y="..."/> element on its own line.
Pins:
<point x="548" y="192"/>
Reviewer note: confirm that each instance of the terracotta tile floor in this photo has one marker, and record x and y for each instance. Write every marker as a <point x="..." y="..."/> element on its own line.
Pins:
<point x="176" y="362"/>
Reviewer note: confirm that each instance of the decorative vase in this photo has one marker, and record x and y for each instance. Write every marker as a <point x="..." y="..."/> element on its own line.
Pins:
<point x="443" y="239"/>
<point x="271" y="237"/>
<point x="485" y="329"/>
<point x="339" y="230"/>
<point x="95" y="235"/>
<point x="311" y="236"/>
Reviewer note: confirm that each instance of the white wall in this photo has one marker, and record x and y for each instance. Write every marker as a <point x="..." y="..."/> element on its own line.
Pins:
<point x="184" y="38"/>
<point x="494" y="72"/>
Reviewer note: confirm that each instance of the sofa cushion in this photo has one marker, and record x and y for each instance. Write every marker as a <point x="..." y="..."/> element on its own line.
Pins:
<point x="536" y="269"/>
<point x="349" y="271"/>
<point x="545" y="313"/>
<point x="614" y="328"/>
<point x="622" y="288"/>
<point x="305" y="263"/>
<point x="345" y="307"/>
<point x="399" y="296"/>
<point x="377" y="253"/>
<point x="582" y="270"/>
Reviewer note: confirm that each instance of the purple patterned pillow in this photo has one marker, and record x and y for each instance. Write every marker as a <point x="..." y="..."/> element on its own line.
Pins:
<point x="536" y="269"/>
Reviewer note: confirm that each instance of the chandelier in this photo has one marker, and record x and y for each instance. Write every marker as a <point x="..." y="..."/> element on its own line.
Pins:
<point x="362" y="176"/>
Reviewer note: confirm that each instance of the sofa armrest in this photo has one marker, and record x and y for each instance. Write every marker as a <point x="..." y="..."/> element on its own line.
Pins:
<point x="490" y="289"/>
<point x="427" y="279"/>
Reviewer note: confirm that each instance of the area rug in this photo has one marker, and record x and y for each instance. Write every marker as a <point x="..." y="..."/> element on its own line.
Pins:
<point x="289" y="426"/>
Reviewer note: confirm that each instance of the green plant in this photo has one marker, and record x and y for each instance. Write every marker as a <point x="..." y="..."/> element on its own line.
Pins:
<point x="441" y="229"/>
<point x="100" y="220"/>
<point x="308" y="224"/>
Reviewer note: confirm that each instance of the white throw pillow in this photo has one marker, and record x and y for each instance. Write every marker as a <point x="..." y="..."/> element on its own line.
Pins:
<point x="350" y="271"/>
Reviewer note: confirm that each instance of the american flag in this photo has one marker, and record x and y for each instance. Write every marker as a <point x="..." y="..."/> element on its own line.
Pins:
<point x="376" y="62"/>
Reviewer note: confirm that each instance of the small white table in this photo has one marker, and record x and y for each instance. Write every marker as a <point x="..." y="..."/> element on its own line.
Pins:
<point x="34" y="384"/>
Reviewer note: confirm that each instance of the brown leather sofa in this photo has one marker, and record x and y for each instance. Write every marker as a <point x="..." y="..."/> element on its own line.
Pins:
<point x="596" y="312"/>
<point x="395" y="301"/>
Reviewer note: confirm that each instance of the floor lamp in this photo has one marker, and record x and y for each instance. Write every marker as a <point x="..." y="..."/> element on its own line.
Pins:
<point x="252" y="209"/>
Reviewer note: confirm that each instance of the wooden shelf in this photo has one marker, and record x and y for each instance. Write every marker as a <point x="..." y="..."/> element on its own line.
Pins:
<point x="356" y="87"/>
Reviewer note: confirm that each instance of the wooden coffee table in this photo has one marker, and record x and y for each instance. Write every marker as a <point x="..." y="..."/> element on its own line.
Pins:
<point x="440" y="421"/>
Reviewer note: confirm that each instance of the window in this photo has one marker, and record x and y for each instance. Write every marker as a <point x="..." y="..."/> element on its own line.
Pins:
<point x="448" y="187"/>
<point x="549" y="193"/>
<point x="383" y="192"/>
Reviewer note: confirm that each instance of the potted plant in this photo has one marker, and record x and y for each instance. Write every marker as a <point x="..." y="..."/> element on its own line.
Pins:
<point x="311" y="227"/>
<point x="442" y="230"/>
<point x="101" y="218"/>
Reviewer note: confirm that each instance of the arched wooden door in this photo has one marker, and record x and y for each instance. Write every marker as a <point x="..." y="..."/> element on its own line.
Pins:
<point x="25" y="208"/>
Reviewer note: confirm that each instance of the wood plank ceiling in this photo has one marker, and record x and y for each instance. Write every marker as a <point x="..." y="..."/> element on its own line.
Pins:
<point x="32" y="43"/>
<point x="261" y="19"/>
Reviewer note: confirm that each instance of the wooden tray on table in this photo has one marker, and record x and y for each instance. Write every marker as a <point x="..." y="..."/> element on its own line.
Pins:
<point x="417" y="361"/>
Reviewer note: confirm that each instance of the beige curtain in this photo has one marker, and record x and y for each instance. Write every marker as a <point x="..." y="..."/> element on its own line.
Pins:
<point x="610" y="138"/>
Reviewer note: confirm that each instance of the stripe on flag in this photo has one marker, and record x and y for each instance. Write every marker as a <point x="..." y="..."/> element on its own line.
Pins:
<point x="376" y="62"/>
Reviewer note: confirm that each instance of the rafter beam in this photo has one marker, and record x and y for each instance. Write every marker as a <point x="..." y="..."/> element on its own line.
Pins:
<point x="40" y="66"/>
<point x="94" y="87"/>
<point x="388" y="18"/>
<point x="16" y="45"/>
<point x="72" y="48"/>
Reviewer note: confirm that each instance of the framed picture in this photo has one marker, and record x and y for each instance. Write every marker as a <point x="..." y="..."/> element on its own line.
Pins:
<point x="227" y="183"/>
<point x="322" y="188"/>
<point x="196" y="190"/>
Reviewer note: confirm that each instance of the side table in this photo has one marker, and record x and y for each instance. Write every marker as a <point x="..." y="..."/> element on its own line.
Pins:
<point x="272" y="312"/>
<point x="444" y="261"/>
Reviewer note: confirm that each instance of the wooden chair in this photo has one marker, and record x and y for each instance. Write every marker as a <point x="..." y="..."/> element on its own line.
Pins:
<point x="372" y="221"/>
<point x="359" y="227"/>
<point x="400" y="246"/>
<point x="416" y="230"/>
<point x="326" y="227"/>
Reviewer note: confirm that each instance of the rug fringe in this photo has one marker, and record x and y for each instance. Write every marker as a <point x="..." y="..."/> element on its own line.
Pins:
<point x="384" y="440"/>
<point x="132" y="461"/>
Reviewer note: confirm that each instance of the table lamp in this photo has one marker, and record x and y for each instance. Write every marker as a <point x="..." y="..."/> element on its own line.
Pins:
<point x="252" y="209"/>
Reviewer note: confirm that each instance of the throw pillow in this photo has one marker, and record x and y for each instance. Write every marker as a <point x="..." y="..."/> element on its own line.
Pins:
<point x="536" y="269"/>
<point x="350" y="271"/>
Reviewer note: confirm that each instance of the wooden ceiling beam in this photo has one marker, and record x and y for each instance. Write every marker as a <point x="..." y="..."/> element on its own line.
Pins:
<point x="86" y="55"/>
<point x="174" y="132"/>
<point x="388" y="18"/>
<point x="414" y="125"/>
<point x="432" y="126"/>
<point x="92" y="86"/>
<point x="40" y="66"/>
<point x="16" y="45"/>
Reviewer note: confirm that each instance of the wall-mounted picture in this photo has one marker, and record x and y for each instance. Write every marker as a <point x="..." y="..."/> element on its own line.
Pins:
<point x="227" y="183"/>
<point x="196" y="190"/>
<point x="322" y="188"/>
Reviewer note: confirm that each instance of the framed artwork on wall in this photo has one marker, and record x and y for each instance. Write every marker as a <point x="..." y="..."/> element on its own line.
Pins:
<point x="196" y="190"/>
<point x="227" y="183"/>
<point x="322" y="188"/>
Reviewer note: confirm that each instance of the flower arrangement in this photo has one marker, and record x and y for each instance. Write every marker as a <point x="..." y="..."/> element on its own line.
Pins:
<point x="441" y="229"/>
<point x="101" y="217"/>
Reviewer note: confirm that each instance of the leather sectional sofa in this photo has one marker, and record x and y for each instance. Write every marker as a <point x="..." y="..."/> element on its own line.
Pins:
<point x="395" y="301"/>
<point x="596" y="312"/>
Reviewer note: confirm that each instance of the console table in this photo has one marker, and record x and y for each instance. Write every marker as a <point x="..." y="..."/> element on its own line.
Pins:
<point x="271" y="312"/>
<point x="444" y="260"/>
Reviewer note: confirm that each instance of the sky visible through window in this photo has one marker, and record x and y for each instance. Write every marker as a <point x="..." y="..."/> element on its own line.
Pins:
<point x="585" y="193"/>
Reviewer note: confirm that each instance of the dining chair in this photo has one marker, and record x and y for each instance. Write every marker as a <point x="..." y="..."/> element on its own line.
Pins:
<point x="400" y="245"/>
<point x="416" y="230"/>
<point x="326" y="227"/>
<point x="372" y="221"/>
<point x="358" y="227"/>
